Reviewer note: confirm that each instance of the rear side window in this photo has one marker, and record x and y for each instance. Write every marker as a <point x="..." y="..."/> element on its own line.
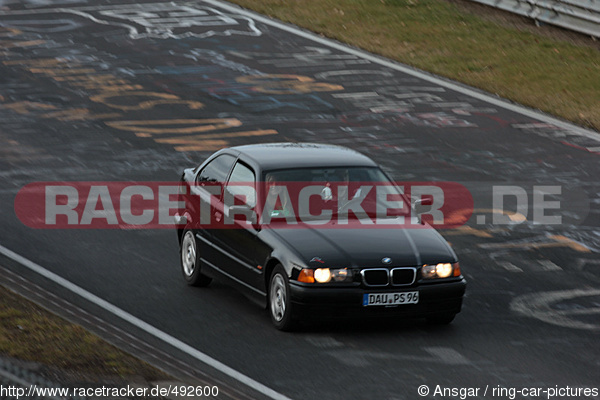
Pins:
<point x="216" y="170"/>
<point x="243" y="184"/>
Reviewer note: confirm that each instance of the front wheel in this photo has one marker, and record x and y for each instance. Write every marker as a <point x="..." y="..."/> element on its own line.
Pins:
<point x="190" y="261"/>
<point x="280" y="305"/>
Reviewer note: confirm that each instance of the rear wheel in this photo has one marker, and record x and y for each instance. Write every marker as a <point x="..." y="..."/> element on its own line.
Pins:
<point x="190" y="261"/>
<point x="280" y="305"/>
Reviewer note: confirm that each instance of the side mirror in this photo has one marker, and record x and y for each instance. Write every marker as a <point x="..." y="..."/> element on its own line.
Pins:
<point x="181" y="220"/>
<point x="422" y="206"/>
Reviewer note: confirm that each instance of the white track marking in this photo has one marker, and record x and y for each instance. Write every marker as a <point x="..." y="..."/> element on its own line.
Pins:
<point x="542" y="306"/>
<point x="407" y="70"/>
<point x="509" y="266"/>
<point x="497" y="101"/>
<point x="176" y="343"/>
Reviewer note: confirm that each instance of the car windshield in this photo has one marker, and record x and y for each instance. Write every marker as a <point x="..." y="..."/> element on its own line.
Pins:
<point x="358" y="192"/>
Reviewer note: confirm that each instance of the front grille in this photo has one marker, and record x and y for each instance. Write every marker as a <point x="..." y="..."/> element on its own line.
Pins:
<point x="375" y="277"/>
<point x="383" y="277"/>
<point x="403" y="276"/>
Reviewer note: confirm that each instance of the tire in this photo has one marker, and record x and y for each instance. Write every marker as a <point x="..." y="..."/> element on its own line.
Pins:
<point x="280" y="305"/>
<point x="441" y="319"/>
<point x="190" y="261"/>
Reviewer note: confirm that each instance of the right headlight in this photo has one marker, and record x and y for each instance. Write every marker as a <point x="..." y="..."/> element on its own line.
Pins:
<point x="325" y="275"/>
<point x="441" y="270"/>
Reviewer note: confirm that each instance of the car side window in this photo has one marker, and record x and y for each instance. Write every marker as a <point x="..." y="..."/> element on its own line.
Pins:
<point x="243" y="184"/>
<point x="216" y="170"/>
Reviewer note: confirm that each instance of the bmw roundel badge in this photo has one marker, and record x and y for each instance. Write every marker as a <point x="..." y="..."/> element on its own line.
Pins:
<point x="386" y="260"/>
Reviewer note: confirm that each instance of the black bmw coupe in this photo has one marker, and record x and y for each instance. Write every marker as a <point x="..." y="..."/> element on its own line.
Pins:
<point x="314" y="231"/>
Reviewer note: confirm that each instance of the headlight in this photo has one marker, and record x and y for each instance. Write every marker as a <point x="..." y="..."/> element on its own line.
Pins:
<point x="325" y="275"/>
<point x="341" y="274"/>
<point x="441" y="270"/>
<point x="322" y="275"/>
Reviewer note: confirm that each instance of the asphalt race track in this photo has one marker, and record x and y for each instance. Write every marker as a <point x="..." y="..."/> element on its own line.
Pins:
<point x="122" y="91"/>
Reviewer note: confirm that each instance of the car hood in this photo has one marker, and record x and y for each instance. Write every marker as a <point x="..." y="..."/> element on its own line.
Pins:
<point x="367" y="247"/>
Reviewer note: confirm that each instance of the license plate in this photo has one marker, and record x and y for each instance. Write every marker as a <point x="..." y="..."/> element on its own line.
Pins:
<point x="390" y="299"/>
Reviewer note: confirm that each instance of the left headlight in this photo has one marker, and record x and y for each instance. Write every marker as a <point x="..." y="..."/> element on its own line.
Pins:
<point x="325" y="275"/>
<point x="441" y="270"/>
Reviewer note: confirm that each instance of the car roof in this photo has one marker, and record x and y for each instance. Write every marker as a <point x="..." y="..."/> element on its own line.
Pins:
<point x="273" y="156"/>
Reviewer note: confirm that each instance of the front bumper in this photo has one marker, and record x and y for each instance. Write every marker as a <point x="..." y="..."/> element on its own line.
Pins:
<point x="434" y="299"/>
